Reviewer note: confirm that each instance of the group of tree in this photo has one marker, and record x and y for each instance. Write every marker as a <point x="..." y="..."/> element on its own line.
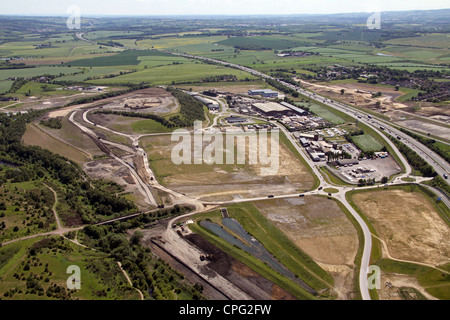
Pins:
<point x="53" y="123"/>
<point x="414" y="159"/>
<point x="152" y="276"/>
<point x="430" y="143"/>
<point x="85" y="197"/>
<point x="191" y="110"/>
<point x="283" y="88"/>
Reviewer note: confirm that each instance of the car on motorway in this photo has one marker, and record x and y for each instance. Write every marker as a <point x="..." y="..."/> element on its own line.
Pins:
<point x="271" y="196"/>
<point x="445" y="176"/>
<point x="320" y="188"/>
<point x="301" y="195"/>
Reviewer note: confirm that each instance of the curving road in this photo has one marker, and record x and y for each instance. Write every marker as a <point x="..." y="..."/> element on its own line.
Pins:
<point x="373" y="122"/>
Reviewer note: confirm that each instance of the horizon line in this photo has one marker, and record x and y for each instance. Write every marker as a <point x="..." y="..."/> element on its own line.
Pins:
<point x="93" y="15"/>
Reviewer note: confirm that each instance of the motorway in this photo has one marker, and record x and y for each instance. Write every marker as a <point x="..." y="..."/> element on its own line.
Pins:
<point x="373" y="122"/>
<point x="438" y="164"/>
<point x="435" y="161"/>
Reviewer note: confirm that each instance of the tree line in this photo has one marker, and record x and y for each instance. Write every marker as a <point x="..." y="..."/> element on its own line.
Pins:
<point x="430" y="143"/>
<point x="414" y="159"/>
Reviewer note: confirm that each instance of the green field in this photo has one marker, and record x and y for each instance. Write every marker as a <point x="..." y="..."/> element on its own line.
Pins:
<point x="127" y="58"/>
<point x="187" y="72"/>
<point x="38" y="71"/>
<point x="324" y="113"/>
<point x="367" y="143"/>
<point x="91" y="72"/>
<point x="142" y="126"/>
<point x="5" y="85"/>
<point x="262" y="43"/>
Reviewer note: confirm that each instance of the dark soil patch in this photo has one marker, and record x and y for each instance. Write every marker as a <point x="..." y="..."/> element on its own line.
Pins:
<point x="238" y="273"/>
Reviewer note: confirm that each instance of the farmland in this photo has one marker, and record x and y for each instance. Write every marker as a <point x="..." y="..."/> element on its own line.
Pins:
<point x="38" y="71"/>
<point x="83" y="110"/>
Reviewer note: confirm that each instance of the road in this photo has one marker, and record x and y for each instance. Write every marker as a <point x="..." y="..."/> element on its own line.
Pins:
<point x="180" y="247"/>
<point x="141" y="184"/>
<point x="437" y="163"/>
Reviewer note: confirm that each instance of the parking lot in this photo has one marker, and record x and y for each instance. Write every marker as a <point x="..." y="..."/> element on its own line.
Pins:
<point x="369" y="169"/>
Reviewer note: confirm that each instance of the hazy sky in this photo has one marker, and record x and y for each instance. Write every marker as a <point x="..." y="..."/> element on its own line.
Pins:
<point x="201" y="7"/>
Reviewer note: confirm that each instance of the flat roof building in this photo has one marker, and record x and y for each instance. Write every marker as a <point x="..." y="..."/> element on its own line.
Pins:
<point x="344" y="162"/>
<point x="235" y="120"/>
<point x="271" y="109"/>
<point x="304" y="142"/>
<point x="296" y="109"/>
<point x="266" y="93"/>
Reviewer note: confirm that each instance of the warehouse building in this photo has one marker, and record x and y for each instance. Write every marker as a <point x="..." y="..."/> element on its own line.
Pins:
<point x="297" y="110"/>
<point x="233" y="119"/>
<point x="265" y="93"/>
<point x="271" y="109"/>
<point x="211" y="104"/>
<point x="347" y="162"/>
<point x="304" y="142"/>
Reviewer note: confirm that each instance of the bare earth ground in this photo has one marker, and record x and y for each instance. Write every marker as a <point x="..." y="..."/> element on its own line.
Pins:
<point x="396" y="281"/>
<point x="426" y="127"/>
<point x="224" y="182"/>
<point x="360" y="94"/>
<point x="409" y="225"/>
<point x="238" y="273"/>
<point x="150" y="100"/>
<point x="110" y="169"/>
<point x="321" y="229"/>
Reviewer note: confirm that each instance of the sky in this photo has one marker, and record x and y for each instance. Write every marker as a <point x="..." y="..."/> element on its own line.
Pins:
<point x="212" y="7"/>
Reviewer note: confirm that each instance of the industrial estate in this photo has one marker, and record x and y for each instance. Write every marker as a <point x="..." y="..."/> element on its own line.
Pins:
<point x="92" y="118"/>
